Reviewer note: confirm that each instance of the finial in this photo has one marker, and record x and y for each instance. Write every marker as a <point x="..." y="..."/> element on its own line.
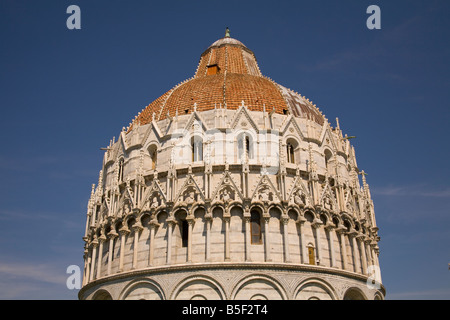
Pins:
<point x="227" y="33"/>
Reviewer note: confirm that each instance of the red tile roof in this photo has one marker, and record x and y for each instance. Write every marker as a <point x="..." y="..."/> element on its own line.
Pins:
<point x="237" y="79"/>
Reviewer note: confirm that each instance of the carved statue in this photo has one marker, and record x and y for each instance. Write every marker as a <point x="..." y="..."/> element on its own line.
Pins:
<point x="126" y="208"/>
<point x="225" y="195"/>
<point x="264" y="196"/>
<point x="300" y="198"/>
<point x="327" y="202"/>
<point x="349" y="207"/>
<point x="190" y="198"/>
<point x="155" y="202"/>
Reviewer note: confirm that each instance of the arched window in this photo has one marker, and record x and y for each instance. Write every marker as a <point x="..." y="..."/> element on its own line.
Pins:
<point x="255" y="227"/>
<point x="328" y="156"/>
<point x="290" y="153"/>
<point x="311" y="255"/>
<point x="197" y="148"/>
<point x="120" y="175"/>
<point x="153" y="156"/>
<point x="184" y="233"/>
<point x="245" y="143"/>
<point x="248" y="147"/>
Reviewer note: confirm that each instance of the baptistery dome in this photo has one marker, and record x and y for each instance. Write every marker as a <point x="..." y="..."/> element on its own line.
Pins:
<point x="231" y="186"/>
<point x="228" y="74"/>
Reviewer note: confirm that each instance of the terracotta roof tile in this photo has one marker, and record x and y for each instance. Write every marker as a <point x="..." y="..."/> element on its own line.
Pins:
<point x="237" y="79"/>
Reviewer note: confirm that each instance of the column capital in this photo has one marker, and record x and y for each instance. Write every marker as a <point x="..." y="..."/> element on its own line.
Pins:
<point x="102" y="238"/>
<point x="317" y="223"/>
<point x="171" y="221"/>
<point x="360" y="236"/>
<point x="208" y="216"/>
<point x="112" y="234"/>
<point x="190" y="219"/>
<point x="330" y="226"/>
<point x="301" y="220"/>
<point x="124" y="231"/>
<point x="94" y="243"/>
<point x="153" y="223"/>
<point x="352" y="233"/>
<point x="137" y="227"/>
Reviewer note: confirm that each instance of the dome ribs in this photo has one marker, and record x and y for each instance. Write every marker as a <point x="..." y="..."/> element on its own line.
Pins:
<point x="235" y="61"/>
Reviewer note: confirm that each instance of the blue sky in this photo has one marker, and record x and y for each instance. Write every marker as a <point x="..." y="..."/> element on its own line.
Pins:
<point x="65" y="93"/>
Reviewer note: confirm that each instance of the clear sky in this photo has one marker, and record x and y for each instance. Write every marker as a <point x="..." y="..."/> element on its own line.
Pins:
<point x="65" y="93"/>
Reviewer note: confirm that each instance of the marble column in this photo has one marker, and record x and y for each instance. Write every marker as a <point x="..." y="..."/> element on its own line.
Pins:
<point x="356" y="260"/>
<point x="101" y="240"/>
<point x="304" y="253"/>
<point x="94" y="245"/>
<point x="137" y="227"/>
<point x="226" y="219"/>
<point x="111" y="235"/>
<point x="362" y="250"/>
<point x="247" y="219"/>
<point x="330" y="229"/>
<point x="170" y="225"/>
<point x="123" y="233"/>
<point x="341" y="231"/>
<point x="86" y="267"/>
<point x="267" y="238"/>
<point x="190" y="221"/>
<point x="208" y="221"/>
<point x="317" y="226"/>
<point x="152" y="225"/>
<point x="285" y="221"/>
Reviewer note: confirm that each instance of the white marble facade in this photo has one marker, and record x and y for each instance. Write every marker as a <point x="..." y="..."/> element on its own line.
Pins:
<point x="231" y="204"/>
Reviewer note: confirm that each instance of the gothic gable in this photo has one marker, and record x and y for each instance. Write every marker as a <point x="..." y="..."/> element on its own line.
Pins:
<point x="299" y="193"/>
<point x="189" y="193"/>
<point x="226" y="190"/>
<point x="291" y="127"/>
<point x="154" y="197"/>
<point x="327" y="198"/>
<point x="265" y="191"/>
<point x="243" y="119"/>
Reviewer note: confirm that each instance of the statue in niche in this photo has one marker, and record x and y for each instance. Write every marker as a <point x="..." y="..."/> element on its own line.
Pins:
<point x="349" y="207"/>
<point x="327" y="202"/>
<point x="226" y="196"/>
<point x="126" y="208"/>
<point x="264" y="195"/>
<point x="190" y="198"/>
<point x="146" y="205"/>
<point x="300" y="198"/>
<point x="155" y="202"/>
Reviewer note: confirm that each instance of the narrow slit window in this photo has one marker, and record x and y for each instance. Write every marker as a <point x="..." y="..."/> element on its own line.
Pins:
<point x="311" y="255"/>
<point x="255" y="227"/>
<point x="197" y="149"/>
<point x="290" y="153"/>
<point x="184" y="233"/>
